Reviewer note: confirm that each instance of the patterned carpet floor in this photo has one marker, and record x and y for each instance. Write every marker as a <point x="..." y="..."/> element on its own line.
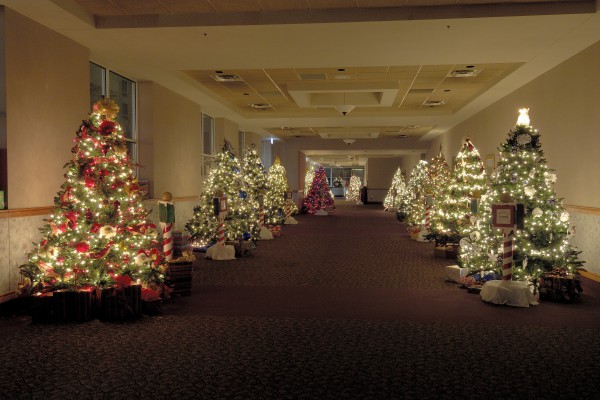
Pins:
<point x="339" y="307"/>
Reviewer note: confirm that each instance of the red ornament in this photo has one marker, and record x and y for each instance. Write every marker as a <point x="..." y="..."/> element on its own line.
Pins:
<point x="89" y="215"/>
<point x="44" y="242"/>
<point x="82" y="247"/>
<point x="107" y="127"/>
<point x="72" y="217"/>
<point x="95" y="227"/>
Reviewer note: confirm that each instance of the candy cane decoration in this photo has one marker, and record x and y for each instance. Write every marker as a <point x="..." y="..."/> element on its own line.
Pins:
<point x="221" y="232"/>
<point x="428" y="218"/>
<point x="261" y="221"/>
<point x="167" y="241"/>
<point x="507" y="259"/>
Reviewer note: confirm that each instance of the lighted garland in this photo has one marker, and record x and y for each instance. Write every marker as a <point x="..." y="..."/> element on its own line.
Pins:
<point x="98" y="231"/>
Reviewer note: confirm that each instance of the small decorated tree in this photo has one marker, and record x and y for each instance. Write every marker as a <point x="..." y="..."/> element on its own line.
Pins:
<point x="242" y="220"/>
<point x="395" y="192"/>
<point x="468" y="182"/>
<point x="275" y="201"/>
<point x="98" y="232"/>
<point x="416" y="207"/>
<point x="354" y="188"/>
<point x="308" y="179"/>
<point x="436" y="184"/>
<point x="319" y="196"/>
<point x="543" y="244"/>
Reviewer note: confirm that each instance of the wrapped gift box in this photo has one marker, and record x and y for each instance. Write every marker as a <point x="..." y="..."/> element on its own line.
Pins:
<point x="439" y="251"/>
<point x="179" y="278"/>
<point x="120" y="303"/>
<point x="558" y="285"/>
<point x="64" y="306"/>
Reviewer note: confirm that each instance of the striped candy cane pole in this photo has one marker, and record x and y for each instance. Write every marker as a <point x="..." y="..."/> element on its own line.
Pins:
<point x="167" y="241"/>
<point x="427" y="218"/>
<point x="261" y="220"/>
<point x="507" y="259"/>
<point x="221" y="232"/>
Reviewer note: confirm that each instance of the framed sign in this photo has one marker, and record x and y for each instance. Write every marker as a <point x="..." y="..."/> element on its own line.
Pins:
<point x="222" y="204"/>
<point x="503" y="215"/>
<point x="288" y="195"/>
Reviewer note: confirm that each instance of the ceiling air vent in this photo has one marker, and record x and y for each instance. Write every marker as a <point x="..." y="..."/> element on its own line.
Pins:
<point x="227" y="78"/>
<point x="434" y="103"/>
<point x="402" y="136"/>
<point x="463" y="73"/>
<point x="261" y="106"/>
<point x="308" y="77"/>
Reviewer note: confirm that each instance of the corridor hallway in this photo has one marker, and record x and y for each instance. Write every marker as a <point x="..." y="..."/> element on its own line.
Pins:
<point x="339" y="307"/>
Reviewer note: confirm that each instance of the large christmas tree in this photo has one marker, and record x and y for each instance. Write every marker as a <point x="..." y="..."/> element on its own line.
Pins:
<point x="452" y="219"/>
<point x="319" y="196"/>
<point x="416" y="189"/>
<point x="275" y="200"/>
<point x="438" y="180"/>
<point x="354" y="188"/>
<point x="98" y="231"/>
<point x="543" y="244"/>
<point x="242" y="220"/>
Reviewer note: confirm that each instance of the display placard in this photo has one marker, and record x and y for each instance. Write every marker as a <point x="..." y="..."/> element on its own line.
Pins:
<point x="503" y="215"/>
<point x="288" y="195"/>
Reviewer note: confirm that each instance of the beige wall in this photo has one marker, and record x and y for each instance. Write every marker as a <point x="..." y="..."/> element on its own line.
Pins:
<point x="379" y="174"/>
<point x="47" y="96"/>
<point x="226" y="130"/>
<point x="563" y="105"/>
<point x="254" y="139"/>
<point x="407" y="163"/>
<point x="171" y="127"/>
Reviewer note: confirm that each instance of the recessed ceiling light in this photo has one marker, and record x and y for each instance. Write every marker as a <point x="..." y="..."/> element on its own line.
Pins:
<point x="434" y="103"/>
<point x="447" y="90"/>
<point x="246" y="94"/>
<point x="218" y="72"/>
<point x="470" y="66"/>
<point x="341" y="69"/>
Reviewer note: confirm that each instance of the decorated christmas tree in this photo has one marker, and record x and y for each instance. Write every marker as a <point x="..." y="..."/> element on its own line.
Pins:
<point x="319" y="196"/>
<point x="354" y="188"/>
<point x="543" y="244"/>
<point x="97" y="233"/>
<point x="416" y="189"/>
<point x="242" y="220"/>
<point x="394" y="194"/>
<point x="452" y="219"/>
<point x="308" y="179"/>
<point x="275" y="199"/>
<point x="436" y="185"/>
<point x="254" y="173"/>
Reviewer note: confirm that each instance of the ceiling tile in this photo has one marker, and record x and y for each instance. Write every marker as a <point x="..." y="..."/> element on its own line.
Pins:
<point x="235" y="6"/>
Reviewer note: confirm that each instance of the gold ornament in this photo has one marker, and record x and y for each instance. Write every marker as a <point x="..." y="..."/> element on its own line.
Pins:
<point x="167" y="196"/>
<point x="277" y="160"/>
<point x="121" y="151"/>
<point x="107" y="107"/>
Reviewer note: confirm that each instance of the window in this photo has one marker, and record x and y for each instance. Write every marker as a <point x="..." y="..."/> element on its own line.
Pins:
<point x="97" y="83"/>
<point x="122" y="91"/>
<point x="208" y="143"/>
<point x="208" y="134"/>
<point x="242" y="143"/>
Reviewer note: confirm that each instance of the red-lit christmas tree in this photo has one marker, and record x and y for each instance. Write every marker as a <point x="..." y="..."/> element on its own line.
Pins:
<point x="319" y="194"/>
<point x="97" y="233"/>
